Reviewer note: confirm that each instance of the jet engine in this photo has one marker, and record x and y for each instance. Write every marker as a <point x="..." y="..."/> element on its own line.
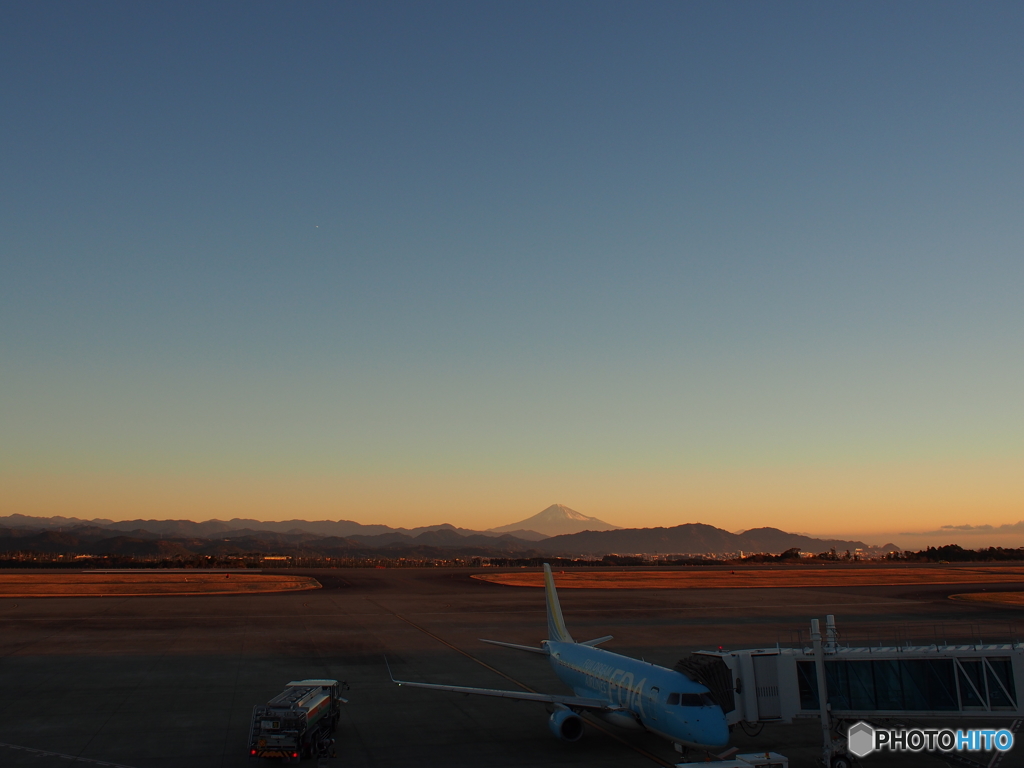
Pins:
<point x="565" y="724"/>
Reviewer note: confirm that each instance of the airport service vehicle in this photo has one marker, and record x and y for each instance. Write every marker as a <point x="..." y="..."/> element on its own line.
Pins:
<point x="618" y="689"/>
<point x="297" y="723"/>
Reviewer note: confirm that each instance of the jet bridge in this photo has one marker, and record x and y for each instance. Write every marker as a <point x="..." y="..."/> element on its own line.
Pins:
<point x="948" y="681"/>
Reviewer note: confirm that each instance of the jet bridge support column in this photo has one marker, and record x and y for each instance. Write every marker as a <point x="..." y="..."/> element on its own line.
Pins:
<point x="819" y="668"/>
<point x="831" y="635"/>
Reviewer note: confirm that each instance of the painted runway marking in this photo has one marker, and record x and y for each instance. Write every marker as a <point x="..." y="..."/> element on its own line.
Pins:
<point x="524" y="686"/>
<point x="63" y="756"/>
<point x="427" y="632"/>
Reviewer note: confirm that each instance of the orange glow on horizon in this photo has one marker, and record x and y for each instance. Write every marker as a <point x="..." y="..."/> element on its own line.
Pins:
<point x="879" y="501"/>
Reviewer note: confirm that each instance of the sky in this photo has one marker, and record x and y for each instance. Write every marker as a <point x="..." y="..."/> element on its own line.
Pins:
<point x="735" y="263"/>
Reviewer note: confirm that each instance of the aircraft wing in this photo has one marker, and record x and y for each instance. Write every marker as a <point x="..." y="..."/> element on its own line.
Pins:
<point x="578" y="702"/>
<point x="532" y="649"/>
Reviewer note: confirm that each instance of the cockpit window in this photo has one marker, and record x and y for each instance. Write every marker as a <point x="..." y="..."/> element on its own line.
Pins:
<point x="691" y="699"/>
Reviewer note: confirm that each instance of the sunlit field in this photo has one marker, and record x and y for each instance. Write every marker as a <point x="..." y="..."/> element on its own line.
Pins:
<point x="798" y="576"/>
<point x="128" y="583"/>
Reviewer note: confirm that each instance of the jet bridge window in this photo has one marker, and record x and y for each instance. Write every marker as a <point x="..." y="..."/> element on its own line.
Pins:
<point x="807" y="681"/>
<point x="1002" y="692"/>
<point x="990" y="678"/>
<point x="910" y="685"/>
<point x="899" y="684"/>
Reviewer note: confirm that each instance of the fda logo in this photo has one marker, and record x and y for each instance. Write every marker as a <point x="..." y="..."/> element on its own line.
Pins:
<point x="860" y="739"/>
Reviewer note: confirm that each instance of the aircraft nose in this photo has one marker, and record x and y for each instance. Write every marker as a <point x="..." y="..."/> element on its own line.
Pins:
<point x="718" y="732"/>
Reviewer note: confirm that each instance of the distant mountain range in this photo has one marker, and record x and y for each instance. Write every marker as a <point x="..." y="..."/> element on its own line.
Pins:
<point x="208" y="528"/>
<point x="343" y="538"/>
<point x="553" y="521"/>
<point x="694" y="538"/>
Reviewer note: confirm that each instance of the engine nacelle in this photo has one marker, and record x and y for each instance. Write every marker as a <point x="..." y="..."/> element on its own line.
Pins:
<point x="565" y="724"/>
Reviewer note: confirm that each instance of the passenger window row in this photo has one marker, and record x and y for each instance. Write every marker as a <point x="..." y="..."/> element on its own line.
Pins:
<point x="691" y="700"/>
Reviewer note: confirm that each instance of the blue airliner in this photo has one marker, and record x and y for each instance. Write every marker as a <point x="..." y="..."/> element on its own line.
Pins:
<point x="620" y="690"/>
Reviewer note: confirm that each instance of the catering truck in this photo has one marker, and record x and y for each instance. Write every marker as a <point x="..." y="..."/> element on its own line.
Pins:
<point x="297" y="723"/>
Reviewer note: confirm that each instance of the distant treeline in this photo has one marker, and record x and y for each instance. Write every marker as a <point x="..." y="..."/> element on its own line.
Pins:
<point x="952" y="553"/>
<point x="607" y="560"/>
<point x="793" y="556"/>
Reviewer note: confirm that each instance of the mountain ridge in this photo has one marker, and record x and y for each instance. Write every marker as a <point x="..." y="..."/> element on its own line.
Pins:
<point x="212" y="528"/>
<point x="177" y="539"/>
<point x="556" y="520"/>
<point x="694" y="539"/>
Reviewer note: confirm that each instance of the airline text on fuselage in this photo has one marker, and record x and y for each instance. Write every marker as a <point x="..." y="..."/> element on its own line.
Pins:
<point x="616" y="684"/>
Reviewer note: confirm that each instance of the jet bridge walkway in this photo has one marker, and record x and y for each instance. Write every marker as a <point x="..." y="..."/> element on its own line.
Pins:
<point x="949" y="681"/>
<point x="836" y="682"/>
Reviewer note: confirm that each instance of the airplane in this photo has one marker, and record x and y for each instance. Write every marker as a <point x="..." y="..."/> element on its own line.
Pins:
<point x="618" y="689"/>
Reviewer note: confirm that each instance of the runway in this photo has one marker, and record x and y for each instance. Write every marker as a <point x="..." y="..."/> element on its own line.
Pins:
<point x="156" y="682"/>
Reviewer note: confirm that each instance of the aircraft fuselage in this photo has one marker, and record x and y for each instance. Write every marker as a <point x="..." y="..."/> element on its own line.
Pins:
<point x="661" y="700"/>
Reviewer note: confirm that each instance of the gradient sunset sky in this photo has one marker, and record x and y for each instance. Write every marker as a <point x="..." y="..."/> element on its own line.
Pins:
<point x="408" y="263"/>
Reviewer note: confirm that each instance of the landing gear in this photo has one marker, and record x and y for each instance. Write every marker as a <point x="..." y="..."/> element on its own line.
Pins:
<point x="836" y="756"/>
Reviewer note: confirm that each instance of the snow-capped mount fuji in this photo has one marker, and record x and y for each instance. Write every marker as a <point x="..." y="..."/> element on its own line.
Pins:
<point x="556" y="520"/>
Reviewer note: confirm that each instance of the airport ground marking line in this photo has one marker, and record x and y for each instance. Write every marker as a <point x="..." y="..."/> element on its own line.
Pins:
<point x="246" y="630"/>
<point x="62" y="755"/>
<point x="455" y="648"/>
<point x="589" y="720"/>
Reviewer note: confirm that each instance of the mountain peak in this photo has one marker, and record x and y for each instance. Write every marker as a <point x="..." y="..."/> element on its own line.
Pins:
<point x="556" y="520"/>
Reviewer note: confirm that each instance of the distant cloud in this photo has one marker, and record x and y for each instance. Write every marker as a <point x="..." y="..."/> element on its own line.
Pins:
<point x="1017" y="527"/>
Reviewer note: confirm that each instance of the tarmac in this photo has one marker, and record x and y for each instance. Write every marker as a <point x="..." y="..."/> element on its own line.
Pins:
<point x="156" y="682"/>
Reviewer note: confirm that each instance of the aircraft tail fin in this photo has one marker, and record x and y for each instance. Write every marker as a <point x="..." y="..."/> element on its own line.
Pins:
<point x="556" y="624"/>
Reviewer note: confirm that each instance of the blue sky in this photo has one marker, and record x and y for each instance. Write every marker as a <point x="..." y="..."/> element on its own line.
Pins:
<point x="731" y="262"/>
